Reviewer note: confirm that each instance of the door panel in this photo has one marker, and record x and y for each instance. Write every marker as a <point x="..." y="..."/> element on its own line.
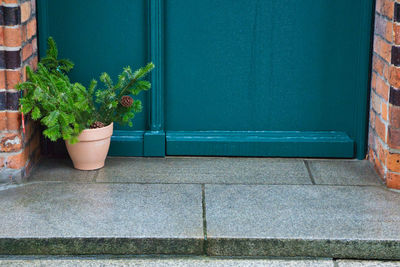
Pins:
<point x="232" y="78"/>
<point x="100" y="36"/>
<point x="277" y="67"/>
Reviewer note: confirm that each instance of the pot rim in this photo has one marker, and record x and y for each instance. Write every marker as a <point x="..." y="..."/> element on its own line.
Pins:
<point x="89" y="135"/>
<point x="98" y="129"/>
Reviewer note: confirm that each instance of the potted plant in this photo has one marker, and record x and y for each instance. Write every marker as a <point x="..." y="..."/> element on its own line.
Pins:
<point x="83" y="117"/>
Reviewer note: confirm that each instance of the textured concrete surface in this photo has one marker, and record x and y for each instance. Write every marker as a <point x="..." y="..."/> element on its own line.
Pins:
<point x="353" y="263"/>
<point x="187" y="261"/>
<point x="246" y="206"/>
<point x="91" y="218"/>
<point x="60" y="170"/>
<point x="343" y="172"/>
<point x="294" y="220"/>
<point x="167" y="262"/>
<point x="205" y="170"/>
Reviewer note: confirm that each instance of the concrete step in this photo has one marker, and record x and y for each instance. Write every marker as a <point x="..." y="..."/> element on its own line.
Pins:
<point x="360" y="222"/>
<point x="186" y="261"/>
<point x="53" y="216"/>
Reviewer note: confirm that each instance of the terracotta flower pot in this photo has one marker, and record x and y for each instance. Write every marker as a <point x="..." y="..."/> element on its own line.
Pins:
<point x="91" y="151"/>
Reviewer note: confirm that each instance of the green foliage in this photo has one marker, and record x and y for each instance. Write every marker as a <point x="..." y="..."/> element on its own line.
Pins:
<point x="61" y="106"/>
<point x="66" y="109"/>
<point x="110" y="108"/>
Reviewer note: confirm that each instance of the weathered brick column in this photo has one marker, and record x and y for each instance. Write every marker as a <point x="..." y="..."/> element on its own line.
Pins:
<point x="384" y="131"/>
<point x="18" y="48"/>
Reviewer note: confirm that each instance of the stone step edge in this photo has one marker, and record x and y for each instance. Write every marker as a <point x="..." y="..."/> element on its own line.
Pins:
<point x="253" y="247"/>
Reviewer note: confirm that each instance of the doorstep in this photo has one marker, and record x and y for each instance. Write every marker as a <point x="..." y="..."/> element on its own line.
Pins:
<point x="203" y="206"/>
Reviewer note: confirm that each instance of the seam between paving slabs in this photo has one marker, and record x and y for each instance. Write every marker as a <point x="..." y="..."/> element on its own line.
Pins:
<point x="309" y="172"/>
<point x="191" y="183"/>
<point x="203" y="204"/>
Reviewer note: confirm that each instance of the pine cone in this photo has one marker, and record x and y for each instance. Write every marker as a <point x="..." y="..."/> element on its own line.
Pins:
<point x="126" y="101"/>
<point x="97" y="124"/>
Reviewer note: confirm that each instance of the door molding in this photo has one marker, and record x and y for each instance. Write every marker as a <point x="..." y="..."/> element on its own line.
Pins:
<point x="260" y="143"/>
<point x="154" y="138"/>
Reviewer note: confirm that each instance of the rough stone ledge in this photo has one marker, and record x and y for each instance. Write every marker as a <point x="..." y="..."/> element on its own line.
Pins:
<point x="97" y="246"/>
<point x="319" y="248"/>
<point x="275" y="247"/>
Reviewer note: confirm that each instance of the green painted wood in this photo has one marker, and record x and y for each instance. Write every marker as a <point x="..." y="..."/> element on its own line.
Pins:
<point x="364" y="59"/>
<point x="232" y="67"/>
<point x="278" y="65"/>
<point x="253" y="143"/>
<point x="154" y="139"/>
<point x="127" y="143"/>
<point x="98" y="36"/>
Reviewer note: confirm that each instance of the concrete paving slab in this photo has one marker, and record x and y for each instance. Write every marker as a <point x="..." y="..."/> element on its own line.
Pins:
<point x="343" y="172"/>
<point x="60" y="218"/>
<point x="205" y="170"/>
<point x="314" y="221"/>
<point x="167" y="262"/>
<point x="60" y="170"/>
<point x="352" y="263"/>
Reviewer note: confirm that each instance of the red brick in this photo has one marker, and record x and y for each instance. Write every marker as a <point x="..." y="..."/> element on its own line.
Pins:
<point x="17" y="161"/>
<point x="3" y="120"/>
<point x="25" y="11"/>
<point x="370" y="155"/>
<point x="394" y="138"/>
<point x="382" y="48"/>
<point x="10" y="1"/>
<point x="382" y="88"/>
<point x="31" y="30"/>
<point x="375" y="103"/>
<point x="23" y="74"/>
<point x="396" y="32"/>
<point x="394" y="76"/>
<point x="380" y="129"/>
<point x="33" y="7"/>
<point x="379" y="65"/>
<point x="1" y="35"/>
<point x="389" y="31"/>
<point x="34" y="45"/>
<point x="12" y="37"/>
<point x="373" y="80"/>
<point x="378" y="167"/>
<point x="384" y="28"/>
<point x="372" y="116"/>
<point x="384" y="111"/>
<point x="393" y="162"/>
<point x="13" y="77"/>
<point x="34" y="62"/>
<point x="24" y="33"/>
<point x="382" y="152"/>
<point x="2" y="79"/>
<point x="386" y="72"/>
<point x="394" y="116"/>
<point x="371" y="139"/>
<point x="26" y="51"/>
<point x="13" y="120"/>
<point x="11" y="142"/>
<point x="385" y="7"/>
<point x="393" y="180"/>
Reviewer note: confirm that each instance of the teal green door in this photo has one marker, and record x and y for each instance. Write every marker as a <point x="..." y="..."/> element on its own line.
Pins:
<point x="234" y="78"/>
<point x="100" y="36"/>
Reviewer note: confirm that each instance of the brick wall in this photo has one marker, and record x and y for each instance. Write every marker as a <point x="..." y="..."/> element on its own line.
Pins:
<point x="18" y="49"/>
<point x="384" y="130"/>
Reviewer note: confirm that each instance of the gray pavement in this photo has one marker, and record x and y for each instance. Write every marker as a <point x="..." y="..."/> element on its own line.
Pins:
<point x="203" y="206"/>
<point x="190" y="261"/>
